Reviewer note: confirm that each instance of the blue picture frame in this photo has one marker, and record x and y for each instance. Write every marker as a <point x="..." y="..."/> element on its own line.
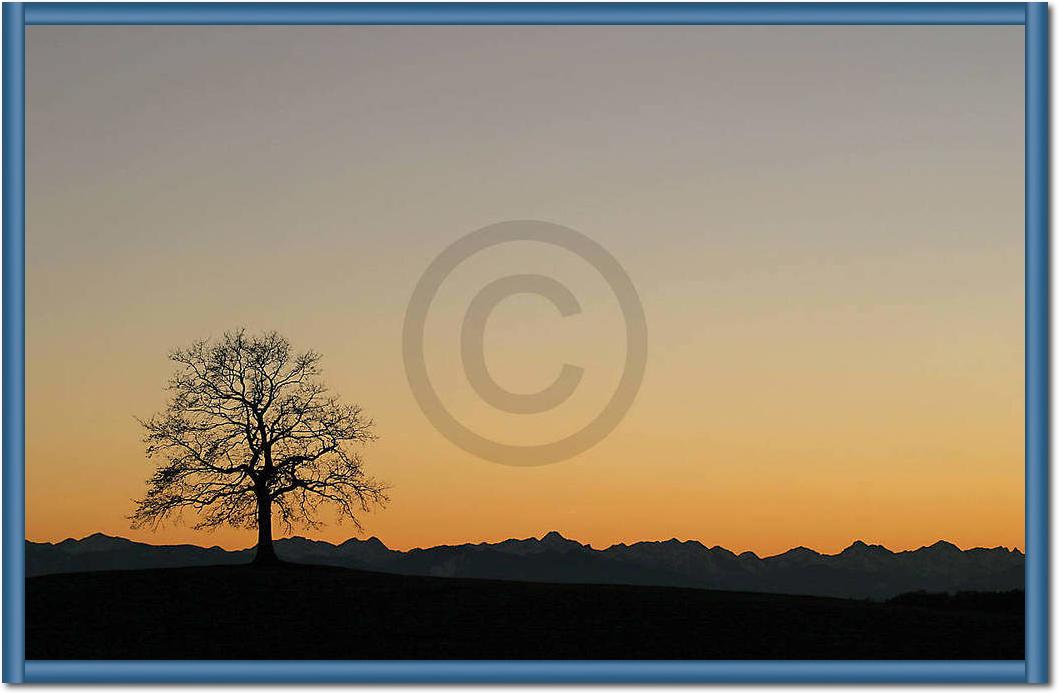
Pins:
<point x="1033" y="16"/>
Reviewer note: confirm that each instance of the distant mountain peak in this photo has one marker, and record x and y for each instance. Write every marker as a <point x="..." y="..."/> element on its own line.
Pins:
<point x="373" y="542"/>
<point x="805" y="551"/>
<point x="96" y="541"/>
<point x="942" y="547"/>
<point x="302" y="541"/>
<point x="99" y="538"/>
<point x="554" y="537"/>
<point x="862" y="548"/>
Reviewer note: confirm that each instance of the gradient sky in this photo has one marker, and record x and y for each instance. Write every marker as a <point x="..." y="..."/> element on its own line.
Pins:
<point x="825" y="226"/>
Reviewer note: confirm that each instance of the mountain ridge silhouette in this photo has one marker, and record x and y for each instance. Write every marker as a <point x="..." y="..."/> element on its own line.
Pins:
<point x="861" y="570"/>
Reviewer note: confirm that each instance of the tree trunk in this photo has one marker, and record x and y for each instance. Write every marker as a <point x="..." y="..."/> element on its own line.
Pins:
<point x="266" y="553"/>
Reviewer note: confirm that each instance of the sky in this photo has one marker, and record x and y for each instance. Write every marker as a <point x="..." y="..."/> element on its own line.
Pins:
<point x="824" y="226"/>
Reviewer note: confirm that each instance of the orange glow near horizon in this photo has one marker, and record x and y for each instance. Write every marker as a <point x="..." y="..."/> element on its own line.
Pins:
<point x="830" y="262"/>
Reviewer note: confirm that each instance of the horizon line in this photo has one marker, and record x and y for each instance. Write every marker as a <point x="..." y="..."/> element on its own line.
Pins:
<point x="542" y="537"/>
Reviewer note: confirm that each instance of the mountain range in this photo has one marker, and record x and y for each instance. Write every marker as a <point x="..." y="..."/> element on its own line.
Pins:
<point x="861" y="571"/>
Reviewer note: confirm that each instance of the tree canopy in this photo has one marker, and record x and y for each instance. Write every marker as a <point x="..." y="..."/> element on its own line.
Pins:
<point x="250" y="427"/>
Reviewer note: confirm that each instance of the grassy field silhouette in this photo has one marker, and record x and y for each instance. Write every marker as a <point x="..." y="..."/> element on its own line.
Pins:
<point x="317" y="612"/>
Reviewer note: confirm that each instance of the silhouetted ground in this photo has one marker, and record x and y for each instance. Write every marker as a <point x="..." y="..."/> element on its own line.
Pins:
<point x="315" y="612"/>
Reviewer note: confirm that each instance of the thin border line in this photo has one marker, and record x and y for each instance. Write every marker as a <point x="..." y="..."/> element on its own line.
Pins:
<point x="14" y="330"/>
<point x="526" y="13"/>
<point x="547" y="671"/>
<point x="1037" y="343"/>
<point x="1033" y="16"/>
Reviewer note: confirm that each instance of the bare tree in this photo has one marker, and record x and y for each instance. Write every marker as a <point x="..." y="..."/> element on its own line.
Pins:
<point x="249" y="427"/>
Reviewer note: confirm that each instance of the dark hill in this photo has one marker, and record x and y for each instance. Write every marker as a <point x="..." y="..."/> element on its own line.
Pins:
<point x="316" y="612"/>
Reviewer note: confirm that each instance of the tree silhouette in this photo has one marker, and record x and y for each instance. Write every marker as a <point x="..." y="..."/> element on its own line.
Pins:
<point x="249" y="427"/>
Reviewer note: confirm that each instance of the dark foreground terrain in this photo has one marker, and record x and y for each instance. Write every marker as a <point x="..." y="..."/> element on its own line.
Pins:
<point x="318" y="612"/>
